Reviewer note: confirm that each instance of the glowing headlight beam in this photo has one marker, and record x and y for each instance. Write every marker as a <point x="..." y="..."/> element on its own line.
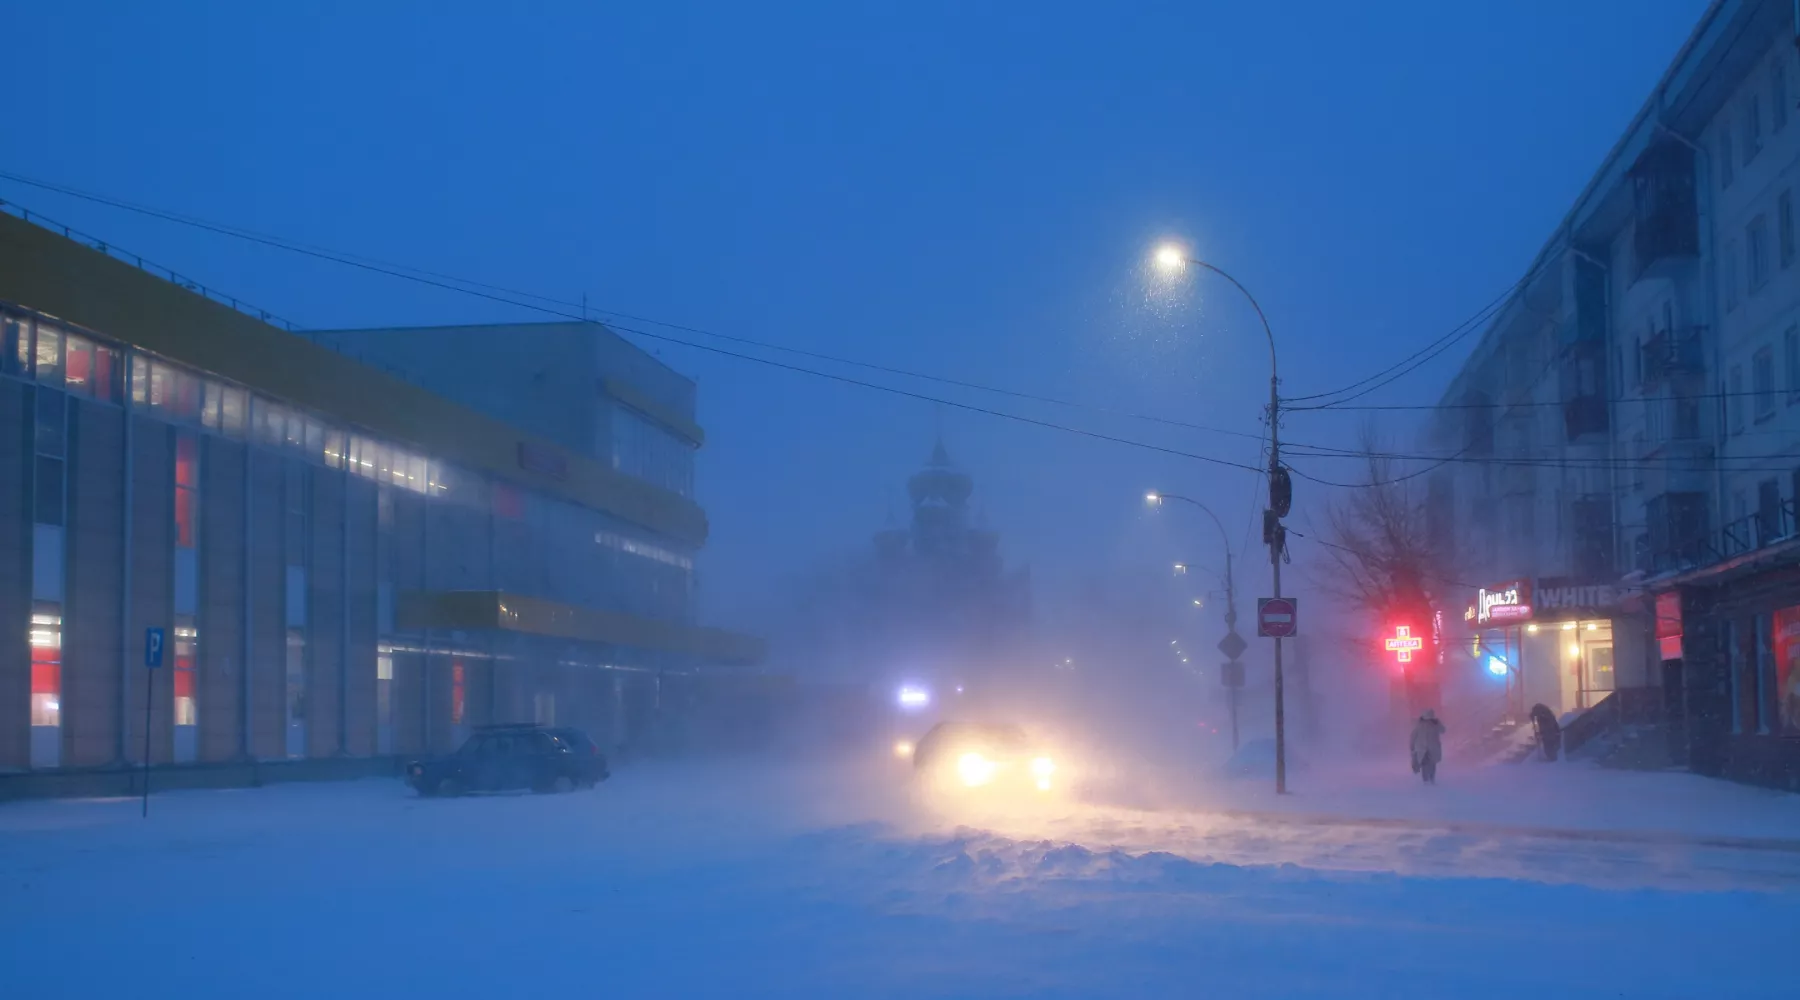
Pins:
<point x="974" y="769"/>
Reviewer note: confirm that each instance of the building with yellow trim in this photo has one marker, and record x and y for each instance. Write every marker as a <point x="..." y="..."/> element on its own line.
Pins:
<point x="342" y="556"/>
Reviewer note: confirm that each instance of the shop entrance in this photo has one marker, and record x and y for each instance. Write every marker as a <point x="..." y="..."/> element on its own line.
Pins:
<point x="1586" y="656"/>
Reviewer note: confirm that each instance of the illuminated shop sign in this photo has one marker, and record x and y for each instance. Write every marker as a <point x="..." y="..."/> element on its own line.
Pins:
<point x="1508" y="602"/>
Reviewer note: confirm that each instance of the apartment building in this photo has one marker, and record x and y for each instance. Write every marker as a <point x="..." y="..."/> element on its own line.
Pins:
<point x="1639" y="502"/>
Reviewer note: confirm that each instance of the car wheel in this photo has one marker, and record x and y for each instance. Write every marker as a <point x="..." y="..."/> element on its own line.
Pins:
<point x="449" y="788"/>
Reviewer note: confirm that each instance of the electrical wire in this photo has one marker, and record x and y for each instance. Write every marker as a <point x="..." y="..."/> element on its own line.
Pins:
<point x="559" y="307"/>
<point x="1414" y="361"/>
<point x="845" y="379"/>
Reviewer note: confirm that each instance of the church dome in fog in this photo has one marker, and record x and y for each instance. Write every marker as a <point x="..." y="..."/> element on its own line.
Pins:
<point x="940" y="483"/>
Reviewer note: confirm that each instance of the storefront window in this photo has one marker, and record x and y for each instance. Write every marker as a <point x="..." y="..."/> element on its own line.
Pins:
<point x="46" y="664"/>
<point x="1787" y="670"/>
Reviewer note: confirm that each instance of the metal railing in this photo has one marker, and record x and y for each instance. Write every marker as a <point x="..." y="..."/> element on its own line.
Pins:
<point x="1757" y="530"/>
<point x="148" y="266"/>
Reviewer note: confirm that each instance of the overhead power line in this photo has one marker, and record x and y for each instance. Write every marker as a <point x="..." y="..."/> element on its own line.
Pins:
<point x="1624" y="465"/>
<point x="769" y="362"/>
<point x="560" y="307"/>
<point x="1414" y="361"/>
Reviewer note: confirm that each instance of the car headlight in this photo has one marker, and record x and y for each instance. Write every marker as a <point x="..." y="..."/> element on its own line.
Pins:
<point x="974" y="769"/>
<point x="903" y="749"/>
<point x="1042" y="767"/>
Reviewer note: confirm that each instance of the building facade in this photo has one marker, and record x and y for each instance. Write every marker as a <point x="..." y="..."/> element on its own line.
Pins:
<point x="332" y="564"/>
<point x="1628" y="425"/>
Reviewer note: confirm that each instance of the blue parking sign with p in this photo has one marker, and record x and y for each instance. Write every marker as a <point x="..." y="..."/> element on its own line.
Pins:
<point x="153" y="647"/>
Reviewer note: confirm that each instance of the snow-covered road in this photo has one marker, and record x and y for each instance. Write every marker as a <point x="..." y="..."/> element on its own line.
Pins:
<point x="743" y="880"/>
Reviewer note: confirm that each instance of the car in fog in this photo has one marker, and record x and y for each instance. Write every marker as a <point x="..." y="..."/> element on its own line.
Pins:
<point x="975" y="755"/>
<point x="513" y="757"/>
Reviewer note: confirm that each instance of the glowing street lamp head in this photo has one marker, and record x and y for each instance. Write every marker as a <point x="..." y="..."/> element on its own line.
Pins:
<point x="1171" y="258"/>
<point x="1153" y="498"/>
<point x="914" y="697"/>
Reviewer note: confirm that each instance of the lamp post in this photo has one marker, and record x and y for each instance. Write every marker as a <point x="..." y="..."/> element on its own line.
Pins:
<point x="1174" y="259"/>
<point x="1156" y="498"/>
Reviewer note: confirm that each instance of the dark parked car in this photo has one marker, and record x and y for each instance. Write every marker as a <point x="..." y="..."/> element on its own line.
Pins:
<point x="503" y="758"/>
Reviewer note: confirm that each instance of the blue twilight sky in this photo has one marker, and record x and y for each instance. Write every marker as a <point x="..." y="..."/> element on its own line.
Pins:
<point x="966" y="189"/>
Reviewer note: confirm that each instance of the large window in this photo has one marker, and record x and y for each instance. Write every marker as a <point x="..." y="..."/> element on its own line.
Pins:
<point x="1790" y="359"/>
<point x="46" y="669"/>
<point x="1756" y="238"/>
<point x="1762" y="378"/>
<point x="1787" y="669"/>
<point x="297" y="537"/>
<point x="1734" y="400"/>
<point x="1726" y="158"/>
<point x="1784" y="226"/>
<point x="1752" y="127"/>
<point x="1728" y="275"/>
<point x="187" y="594"/>
<point x="644" y="449"/>
<point x="187" y="716"/>
<point x="1778" y="96"/>
<point x="48" y="564"/>
<point x="384" y="702"/>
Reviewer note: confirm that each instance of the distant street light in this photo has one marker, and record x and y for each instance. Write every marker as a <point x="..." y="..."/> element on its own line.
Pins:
<point x="1230" y="590"/>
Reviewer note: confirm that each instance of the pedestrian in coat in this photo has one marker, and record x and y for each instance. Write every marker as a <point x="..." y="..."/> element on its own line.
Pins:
<point x="1427" y="746"/>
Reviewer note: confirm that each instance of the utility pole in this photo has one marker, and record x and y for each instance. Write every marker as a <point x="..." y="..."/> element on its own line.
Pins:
<point x="1281" y="496"/>
<point x="1231" y="629"/>
<point x="1279" y="500"/>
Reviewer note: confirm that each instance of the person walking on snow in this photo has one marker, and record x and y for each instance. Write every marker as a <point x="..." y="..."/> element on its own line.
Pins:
<point x="1427" y="746"/>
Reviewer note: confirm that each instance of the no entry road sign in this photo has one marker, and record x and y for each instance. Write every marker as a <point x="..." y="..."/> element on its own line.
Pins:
<point x="1277" y="617"/>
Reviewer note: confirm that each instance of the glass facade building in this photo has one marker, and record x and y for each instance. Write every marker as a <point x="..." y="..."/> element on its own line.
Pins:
<point x="344" y="564"/>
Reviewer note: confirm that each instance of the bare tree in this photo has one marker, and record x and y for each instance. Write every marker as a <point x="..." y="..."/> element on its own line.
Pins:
<point x="1382" y="553"/>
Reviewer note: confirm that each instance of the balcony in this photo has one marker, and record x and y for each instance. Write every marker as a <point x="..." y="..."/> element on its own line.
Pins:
<point x="1664" y="209"/>
<point x="1675" y="535"/>
<point x="1670" y="355"/>
<point x="1677" y="538"/>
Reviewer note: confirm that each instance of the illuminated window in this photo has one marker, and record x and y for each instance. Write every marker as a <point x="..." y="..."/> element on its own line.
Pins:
<point x="234" y="412"/>
<point x="90" y="369"/>
<point x="211" y="404"/>
<point x="456" y="693"/>
<point x="46" y="664"/>
<point x="384" y="703"/>
<point x="15" y="345"/>
<point x="186" y="643"/>
<point x="49" y="354"/>
<point x="187" y="489"/>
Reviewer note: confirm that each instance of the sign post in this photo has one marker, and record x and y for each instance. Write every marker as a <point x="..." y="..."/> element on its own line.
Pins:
<point x="1232" y="673"/>
<point x="153" y="657"/>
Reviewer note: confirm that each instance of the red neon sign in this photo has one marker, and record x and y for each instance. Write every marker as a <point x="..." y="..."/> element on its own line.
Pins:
<point x="1404" y="643"/>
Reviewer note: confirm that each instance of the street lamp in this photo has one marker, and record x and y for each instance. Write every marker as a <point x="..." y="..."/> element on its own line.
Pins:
<point x="1173" y="258"/>
<point x="1230" y="594"/>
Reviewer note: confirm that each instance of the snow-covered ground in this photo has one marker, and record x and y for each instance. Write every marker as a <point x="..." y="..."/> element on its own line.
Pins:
<point x="759" y="879"/>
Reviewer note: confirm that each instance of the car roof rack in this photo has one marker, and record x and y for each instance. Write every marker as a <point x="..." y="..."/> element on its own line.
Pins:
<point x="506" y="725"/>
